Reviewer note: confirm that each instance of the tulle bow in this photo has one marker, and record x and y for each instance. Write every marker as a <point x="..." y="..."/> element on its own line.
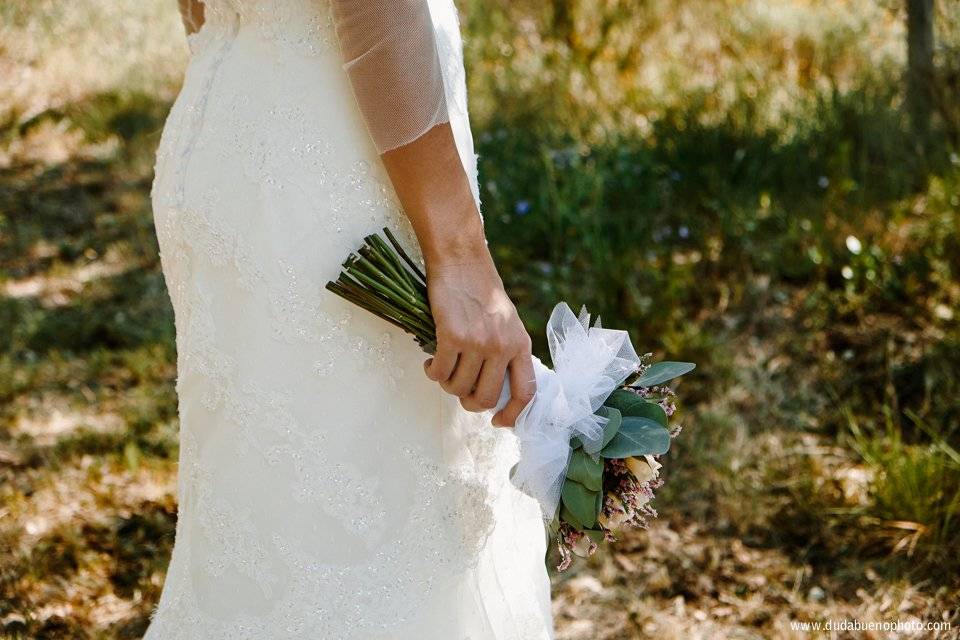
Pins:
<point x="589" y="363"/>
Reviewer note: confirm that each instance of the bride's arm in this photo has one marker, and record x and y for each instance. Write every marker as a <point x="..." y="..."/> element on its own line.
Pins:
<point x="479" y="335"/>
<point x="191" y="12"/>
<point x="391" y="57"/>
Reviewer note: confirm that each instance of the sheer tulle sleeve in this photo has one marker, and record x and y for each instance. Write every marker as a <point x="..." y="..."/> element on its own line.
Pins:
<point x="390" y="54"/>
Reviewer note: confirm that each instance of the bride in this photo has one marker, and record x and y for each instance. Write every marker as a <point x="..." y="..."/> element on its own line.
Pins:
<point x="328" y="489"/>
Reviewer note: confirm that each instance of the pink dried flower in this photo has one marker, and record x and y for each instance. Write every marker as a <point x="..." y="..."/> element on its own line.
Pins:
<point x="616" y="466"/>
<point x="614" y="514"/>
<point x="570" y="541"/>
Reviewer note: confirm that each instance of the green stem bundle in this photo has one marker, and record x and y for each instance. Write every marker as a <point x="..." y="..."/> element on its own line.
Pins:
<point x="384" y="280"/>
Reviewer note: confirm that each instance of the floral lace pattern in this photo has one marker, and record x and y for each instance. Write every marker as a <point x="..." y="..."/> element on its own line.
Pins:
<point x="322" y="493"/>
<point x="451" y="507"/>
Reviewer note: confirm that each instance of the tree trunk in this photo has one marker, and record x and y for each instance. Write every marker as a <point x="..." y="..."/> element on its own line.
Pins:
<point x="920" y="71"/>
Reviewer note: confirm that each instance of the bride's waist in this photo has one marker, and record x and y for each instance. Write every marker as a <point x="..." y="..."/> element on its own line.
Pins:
<point x="253" y="86"/>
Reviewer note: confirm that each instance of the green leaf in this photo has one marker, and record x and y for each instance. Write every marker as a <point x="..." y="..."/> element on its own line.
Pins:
<point x="638" y="436"/>
<point x="595" y="535"/>
<point x="651" y="410"/>
<point x="581" y="502"/>
<point x="554" y="527"/>
<point x="609" y="430"/>
<point x="625" y="401"/>
<point x="585" y="470"/>
<point x="614" y="418"/>
<point x="660" y="372"/>
<point x="630" y="404"/>
<point x="569" y="518"/>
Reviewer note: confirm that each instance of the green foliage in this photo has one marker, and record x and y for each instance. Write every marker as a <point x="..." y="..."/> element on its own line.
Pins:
<point x="583" y="469"/>
<point x="660" y="372"/>
<point x="582" y="503"/>
<point x="629" y="403"/>
<point x="610" y="429"/>
<point x="915" y="491"/>
<point x="637" y="437"/>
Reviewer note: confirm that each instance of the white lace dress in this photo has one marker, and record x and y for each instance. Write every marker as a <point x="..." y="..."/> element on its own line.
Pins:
<point x="327" y="489"/>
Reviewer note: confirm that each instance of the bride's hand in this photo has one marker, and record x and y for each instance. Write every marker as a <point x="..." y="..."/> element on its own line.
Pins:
<point x="480" y="338"/>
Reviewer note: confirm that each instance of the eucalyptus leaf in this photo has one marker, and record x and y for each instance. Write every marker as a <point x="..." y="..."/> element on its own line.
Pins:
<point x="638" y="436"/>
<point x="554" y="527"/>
<point x="660" y="372"/>
<point x="614" y="418"/>
<point x="569" y="518"/>
<point x="581" y="502"/>
<point x="629" y="403"/>
<point x="652" y="410"/>
<point x="595" y="535"/>
<point x="585" y="470"/>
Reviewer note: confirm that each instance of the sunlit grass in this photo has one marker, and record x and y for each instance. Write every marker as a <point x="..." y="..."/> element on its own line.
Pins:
<point x="915" y="495"/>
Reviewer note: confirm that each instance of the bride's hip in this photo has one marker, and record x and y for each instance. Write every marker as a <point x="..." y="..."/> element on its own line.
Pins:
<point x="289" y="165"/>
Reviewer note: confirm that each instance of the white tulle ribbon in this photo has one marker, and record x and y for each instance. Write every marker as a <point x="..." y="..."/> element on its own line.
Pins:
<point x="588" y="364"/>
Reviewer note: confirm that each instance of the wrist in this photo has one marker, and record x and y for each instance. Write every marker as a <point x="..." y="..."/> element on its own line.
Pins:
<point x="454" y="243"/>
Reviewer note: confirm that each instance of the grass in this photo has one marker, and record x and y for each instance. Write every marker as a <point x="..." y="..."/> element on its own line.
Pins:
<point x="733" y="181"/>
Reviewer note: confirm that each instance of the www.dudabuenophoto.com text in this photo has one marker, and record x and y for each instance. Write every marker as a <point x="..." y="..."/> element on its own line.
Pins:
<point x="905" y="627"/>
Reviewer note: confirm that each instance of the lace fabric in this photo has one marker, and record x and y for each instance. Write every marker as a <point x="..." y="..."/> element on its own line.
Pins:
<point x="326" y="489"/>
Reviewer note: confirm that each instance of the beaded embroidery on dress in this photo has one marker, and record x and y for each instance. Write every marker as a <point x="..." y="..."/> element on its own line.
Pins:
<point x="327" y="490"/>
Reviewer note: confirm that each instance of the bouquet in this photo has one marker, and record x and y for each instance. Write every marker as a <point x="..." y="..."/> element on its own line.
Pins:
<point x="590" y="436"/>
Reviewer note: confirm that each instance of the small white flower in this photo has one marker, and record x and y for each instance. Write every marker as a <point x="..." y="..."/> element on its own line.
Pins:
<point x="853" y="245"/>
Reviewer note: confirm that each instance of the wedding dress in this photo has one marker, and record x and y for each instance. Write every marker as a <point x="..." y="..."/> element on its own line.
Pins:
<point x="327" y="490"/>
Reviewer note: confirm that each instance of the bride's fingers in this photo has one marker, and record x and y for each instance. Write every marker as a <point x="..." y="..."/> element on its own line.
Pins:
<point x="489" y="385"/>
<point x="440" y="367"/>
<point x="464" y="377"/>
<point x="523" y="386"/>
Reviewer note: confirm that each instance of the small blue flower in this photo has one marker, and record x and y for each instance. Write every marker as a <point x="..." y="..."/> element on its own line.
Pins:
<point x="683" y="232"/>
<point x="522" y="207"/>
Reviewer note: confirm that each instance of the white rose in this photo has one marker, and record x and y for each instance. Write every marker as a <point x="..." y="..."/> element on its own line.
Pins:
<point x="643" y="469"/>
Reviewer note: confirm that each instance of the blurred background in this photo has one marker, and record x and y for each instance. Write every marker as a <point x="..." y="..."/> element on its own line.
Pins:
<point x="770" y="188"/>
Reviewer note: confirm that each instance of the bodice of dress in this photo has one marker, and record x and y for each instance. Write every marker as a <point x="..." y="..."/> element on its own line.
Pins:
<point x="404" y="59"/>
<point x="301" y="26"/>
